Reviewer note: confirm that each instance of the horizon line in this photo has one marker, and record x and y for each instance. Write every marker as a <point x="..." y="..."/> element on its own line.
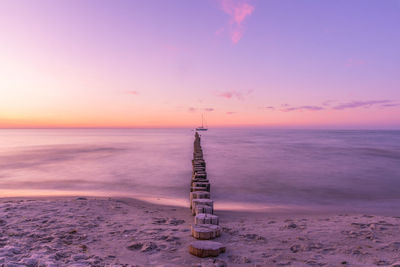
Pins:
<point x="349" y="128"/>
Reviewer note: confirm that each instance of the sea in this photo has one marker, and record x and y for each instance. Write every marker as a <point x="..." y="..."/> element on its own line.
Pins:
<point x="257" y="169"/>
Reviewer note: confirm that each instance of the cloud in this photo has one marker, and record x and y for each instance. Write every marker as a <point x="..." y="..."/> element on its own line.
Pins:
<point x="132" y="92"/>
<point x="227" y="94"/>
<point x="358" y="104"/>
<point x="235" y="94"/>
<point x="237" y="10"/>
<point x="193" y="109"/>
<point x="390" y="105"/>
<point x="327" y="105"/>
<point x="230" y="112"/>
<point x="308" y="108"/>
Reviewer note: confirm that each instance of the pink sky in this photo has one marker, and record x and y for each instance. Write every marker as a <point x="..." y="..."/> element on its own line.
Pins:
<point x="300" y="63"/>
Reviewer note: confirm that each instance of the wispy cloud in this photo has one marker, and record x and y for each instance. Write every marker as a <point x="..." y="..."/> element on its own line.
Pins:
<point x="132" y="92"/>
<point x="238" y="10"/>
<point x="193" y="109"/>
<point x="303" y="108"/>
<point x="327" y="105"/>
<point x="390" y="105"/>
<point x="230" y="112"/>
<point x="227" y="94"/>
<point x="235" y="94"/>
<point x="358" y="104"/>
<point x="269" y="108"/>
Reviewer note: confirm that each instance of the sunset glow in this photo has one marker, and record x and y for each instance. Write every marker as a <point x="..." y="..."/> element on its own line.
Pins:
<point x="316" y="64"/>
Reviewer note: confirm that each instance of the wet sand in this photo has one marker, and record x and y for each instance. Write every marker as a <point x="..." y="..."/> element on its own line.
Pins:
<point x="93" y="231"/>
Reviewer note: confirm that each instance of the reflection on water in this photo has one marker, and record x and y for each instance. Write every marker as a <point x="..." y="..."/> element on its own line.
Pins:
<point x="248" y="167"/>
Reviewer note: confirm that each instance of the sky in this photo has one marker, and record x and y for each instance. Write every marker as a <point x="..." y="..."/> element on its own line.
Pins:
<point x="155" y="63"/>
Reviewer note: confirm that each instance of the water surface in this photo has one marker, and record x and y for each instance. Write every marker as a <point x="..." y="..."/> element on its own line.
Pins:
<point x="248" y="168"/>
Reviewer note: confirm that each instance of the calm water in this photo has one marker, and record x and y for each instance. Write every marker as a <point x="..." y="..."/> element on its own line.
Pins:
<point x="248" y="167"/>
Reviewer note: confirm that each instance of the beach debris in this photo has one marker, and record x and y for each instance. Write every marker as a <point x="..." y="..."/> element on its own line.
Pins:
<point x="205" y="249"/>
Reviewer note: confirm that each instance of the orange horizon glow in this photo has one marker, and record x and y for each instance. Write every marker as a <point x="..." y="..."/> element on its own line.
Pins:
<point x="64" y="67"/>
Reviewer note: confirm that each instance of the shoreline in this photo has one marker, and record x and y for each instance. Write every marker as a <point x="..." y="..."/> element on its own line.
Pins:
<point x="103" y="231"/>
<point x="238" y="208"/>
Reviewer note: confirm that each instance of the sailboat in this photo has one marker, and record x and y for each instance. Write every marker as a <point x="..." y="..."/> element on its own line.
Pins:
<point x="202" y="128"/>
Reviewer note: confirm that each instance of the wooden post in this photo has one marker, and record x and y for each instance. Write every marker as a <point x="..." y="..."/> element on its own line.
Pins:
<point x="206" y="231"/>
<point x="204" y="218"/>
<point x="205" y="249"/>
<point x="206" y="224"/>
<point x="198" y="195"/>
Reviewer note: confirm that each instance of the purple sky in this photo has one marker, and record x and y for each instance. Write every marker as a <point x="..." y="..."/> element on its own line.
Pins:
<point x="299" y="63"/>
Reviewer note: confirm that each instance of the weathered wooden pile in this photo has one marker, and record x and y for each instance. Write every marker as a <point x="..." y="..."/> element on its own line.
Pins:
<point x="206" y="224"/>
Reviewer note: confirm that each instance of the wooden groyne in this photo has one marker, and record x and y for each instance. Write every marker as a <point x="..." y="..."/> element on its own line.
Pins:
<point x="206" y="224"/>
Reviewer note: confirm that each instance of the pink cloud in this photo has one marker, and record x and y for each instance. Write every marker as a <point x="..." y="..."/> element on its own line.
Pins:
<point x="238" y="10"/>
<point x="236" y="36"/>
<point x="328" y="103"/>
<point x="193" y="109"/>
<point x="390" y="105"/>
<point x="235" y="94"/>
<point x="365" y="104"/>
<point x="132" y="92"/>
<point x="303" y="108"/>
<point x="226" y="94"/>
<point x="230" y="112"/>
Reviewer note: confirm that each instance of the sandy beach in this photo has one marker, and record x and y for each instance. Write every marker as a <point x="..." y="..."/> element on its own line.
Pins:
<point x="92" y="231"/>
